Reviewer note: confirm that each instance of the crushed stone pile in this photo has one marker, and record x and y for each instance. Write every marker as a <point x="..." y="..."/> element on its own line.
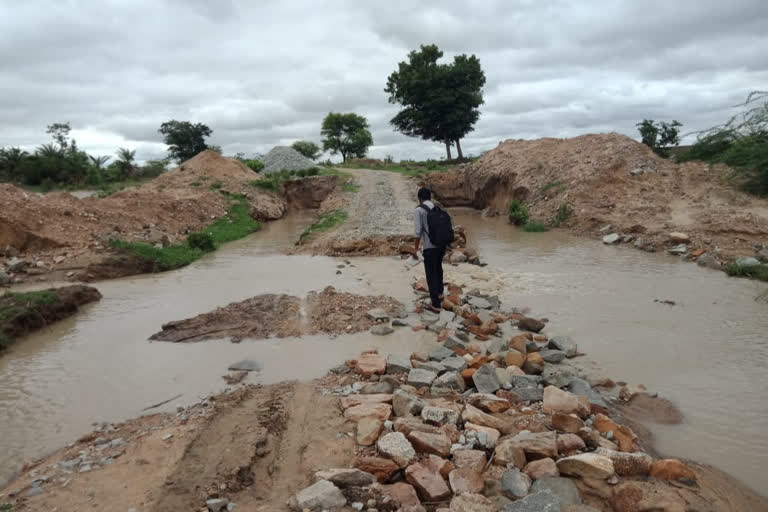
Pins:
<point x="284" y="158"/>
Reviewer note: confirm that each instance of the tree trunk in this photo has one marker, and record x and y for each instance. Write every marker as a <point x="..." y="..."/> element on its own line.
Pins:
<point x="448" y="149"/>
<point x="343" y="157"/>
<point x="458" y="150"/>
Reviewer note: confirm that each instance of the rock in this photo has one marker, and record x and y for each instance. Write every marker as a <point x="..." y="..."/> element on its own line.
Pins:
<point x="368" y="430"/>
<point x="378" y="315"/>
<point x="379" y="467"/>
<point x="383" y="387"/>
<point x="552" y="356"/>
<point x="747" y="262"/>
<point x="381" y="329"/>
<point x="458" y="257"/>
<point x="485" y="379"/>
<point x="5" y="277"/>
<point x="671" y="469"/>
<point x="627" y="393"/>
<point x="454" y="363"/>
<point x="448" y="382"/>
<point x="626" y="439"/>
<point x="515" y="484"/>
<point x="454" y="342"/>
<point x="441" y="353"/>
<point x="569" y="423"/>
<point x="556" y="400"/>
<point x="402" y="494"/>
<point x="353" y="400"/>
<point x="534" y="444"/>
<point x="246" y="365"/>
<point x="542" y="501"/>
<point x="472" y="459"/>
<point x="586" y="465"/>
<point x="479" y="303"/>
<point x="474" y="415"/>
<point x="437" y="444"/>
<point x="679" y="238"/>
<point x="594" y="440"/>
<point x="488" y="403"/>
<point x="439" y="415"/>
<point x="16" y="265"/>
<point x="411" y="424"/>
<point x="541" y="468"/>
<point x="429" y="484"/>
<point x="534" y="364"/>
<point x="216" y="505"/>
<point x="34" y="491"/>
<point x="396" y="447"/>
<point x="504" y="375"/>
<point x="439" y="464"/>
<point x="628" y="464"/>
<point x="320" y="496"/>
<point x="530" y="324"/>
<point x="469" y="502"/>
<point x="371" y="363"/>
<point x="578" y="508"/>
<point x="405" y="404"/>
<point x="421" y="378"/>
<point x="564" y="344"/>
<point x="678" y="249"/>
<point x="580" y="387"/>
<point x="486" y="437"/>
<point x="762" y="255"/>
<point x="398" y="364"/>
<point x="364" y="410"/>
<point x="611" y="239"/>
<point x="466" y="480"/>
<point x="398" y="322"/>
<point x="568" y="444"/>
<point x="564" y="488"/>
<point x="514" y="358"/>
<point x="346" y="477"/>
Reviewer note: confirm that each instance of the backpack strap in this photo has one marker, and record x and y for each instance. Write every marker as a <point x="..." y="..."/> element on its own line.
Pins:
<point x="422" y="205"/>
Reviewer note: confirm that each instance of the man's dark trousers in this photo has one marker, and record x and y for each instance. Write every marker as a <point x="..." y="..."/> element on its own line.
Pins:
<point x="433" y="266"/>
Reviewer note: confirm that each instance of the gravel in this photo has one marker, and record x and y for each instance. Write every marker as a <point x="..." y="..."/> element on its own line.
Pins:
<point x="285" y="158"/>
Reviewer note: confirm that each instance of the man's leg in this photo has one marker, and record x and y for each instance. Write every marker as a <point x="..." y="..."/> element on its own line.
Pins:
<point x="439" y="271"/>
<point x="431" y="264"/>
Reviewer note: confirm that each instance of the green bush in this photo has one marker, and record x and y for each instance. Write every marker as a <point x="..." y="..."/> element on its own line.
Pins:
<point x="254" y="165"/>
<point x="518" y="212"/>
<point x="534" y="227"/>
<point x="202" y="241"/>
<point x="564" y="212"/>
<point x="754" y="271"/>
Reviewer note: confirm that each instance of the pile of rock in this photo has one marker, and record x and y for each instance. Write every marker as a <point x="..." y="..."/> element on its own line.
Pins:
<point x="285" y="158"/>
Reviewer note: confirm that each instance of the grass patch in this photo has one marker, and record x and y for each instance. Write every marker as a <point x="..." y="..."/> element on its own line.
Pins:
<point x="324" y="223"/>
<point x="12" y="305"/>
<point x="564" y="212"/>
<point x="350" y="186"/>
<point x="5" y="506"/>
<point x="759" y="272"/>
<point x="411" y="168"/>
<point x="195" y="184"/>
<point x="235" y="225"/>
<point x="559" y="187"/>
<point x="216" y="185"/>
<point x="534" y="227"/>
<point x="518" y="212"/>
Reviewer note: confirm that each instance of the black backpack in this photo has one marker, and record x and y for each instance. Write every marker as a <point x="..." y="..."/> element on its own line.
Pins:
<point x="440" y="229"/>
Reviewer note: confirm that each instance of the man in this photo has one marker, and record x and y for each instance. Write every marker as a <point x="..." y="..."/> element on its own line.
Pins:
<point x="433" y="255"/>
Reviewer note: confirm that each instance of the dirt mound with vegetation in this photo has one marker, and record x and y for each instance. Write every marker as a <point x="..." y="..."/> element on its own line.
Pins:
<point x="592" y="181"/>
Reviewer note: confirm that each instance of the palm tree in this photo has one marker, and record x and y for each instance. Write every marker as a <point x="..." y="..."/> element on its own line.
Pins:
<point x="49" y="151"/>
<point x="125" y="159"/>
<point x="99" y="161"/>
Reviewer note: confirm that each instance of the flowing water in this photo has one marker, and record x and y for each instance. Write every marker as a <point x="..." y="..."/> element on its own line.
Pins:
<point x="708" y="353"/>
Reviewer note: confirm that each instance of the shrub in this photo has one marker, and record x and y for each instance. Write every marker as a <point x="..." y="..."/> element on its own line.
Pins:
<point x="254" y="165"/>
<point x="518" y="212"/>
<point x="202" y="241"/>
<point x="754" y="271"/>
<point x="564" y="212"/>
<point x="534" y="227"/>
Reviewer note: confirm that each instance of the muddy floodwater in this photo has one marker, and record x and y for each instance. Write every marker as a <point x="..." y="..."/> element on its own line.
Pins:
<point x="708" y="353"/>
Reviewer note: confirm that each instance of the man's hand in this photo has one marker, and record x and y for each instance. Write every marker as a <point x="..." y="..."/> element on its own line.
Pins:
<point x="416" y="247"/>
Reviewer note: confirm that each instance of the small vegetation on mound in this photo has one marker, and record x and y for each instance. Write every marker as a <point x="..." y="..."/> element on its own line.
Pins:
<point x="233" y="226"/>
<point x="754" y="271"/>
<point x="534" y="227"/>
<point x="559" y="187"/>
<point x="518" y="212"/>
<point x="13" y="305"/>
<point x="324" y="223"/>
<point x="411" y="168"/>
<point x="274" y="181"/>
<point x="563" y="213"/>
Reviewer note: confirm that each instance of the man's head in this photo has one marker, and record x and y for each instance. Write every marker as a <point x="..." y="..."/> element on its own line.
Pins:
<point x="424" y="195"/>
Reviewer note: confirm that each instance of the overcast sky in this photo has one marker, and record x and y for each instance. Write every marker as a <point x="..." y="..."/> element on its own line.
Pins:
<point x="266" y="73"/>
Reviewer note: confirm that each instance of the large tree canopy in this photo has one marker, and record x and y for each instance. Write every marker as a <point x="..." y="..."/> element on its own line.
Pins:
<point x="440" y="101"/>
<point x="347" y="134"/>
<point x="184" y="139"/>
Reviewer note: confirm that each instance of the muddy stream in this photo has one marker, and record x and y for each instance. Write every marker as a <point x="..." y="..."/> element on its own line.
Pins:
<point x="708" y="353"/>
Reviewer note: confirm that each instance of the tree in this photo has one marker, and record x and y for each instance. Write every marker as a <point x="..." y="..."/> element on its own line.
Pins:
<point x="306" y="148"/>
<point x="184" y="139"/>
<point x="440" y="101"/>
<point x="347" y="134"/>
<point x="659" y="136"/>
<point x="125" y="160"/>
<point x="60" y="134"/>
<point x="98" y="161"/>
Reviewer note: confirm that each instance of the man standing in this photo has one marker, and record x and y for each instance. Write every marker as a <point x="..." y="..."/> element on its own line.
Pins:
<point x="433" y="254"/>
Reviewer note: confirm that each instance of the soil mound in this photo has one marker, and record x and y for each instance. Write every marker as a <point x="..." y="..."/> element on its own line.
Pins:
<point x="612" y="179"/>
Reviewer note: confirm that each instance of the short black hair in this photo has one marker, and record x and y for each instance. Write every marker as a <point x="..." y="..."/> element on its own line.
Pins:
<point x="424" y="194"/>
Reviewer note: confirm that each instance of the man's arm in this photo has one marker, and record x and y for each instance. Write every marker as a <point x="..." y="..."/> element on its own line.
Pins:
<point x="417" y="228"/>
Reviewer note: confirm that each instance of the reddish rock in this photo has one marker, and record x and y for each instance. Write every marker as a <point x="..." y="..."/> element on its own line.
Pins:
<point x="586" y="465"/>
<point x="467" y="376"/>
<point x="368" y="430"/>
<point x="530" y="324"/>
<point x="626" y="497"/>
<point x="428" y="483"/>
<point x="379" y="467"/>
<point x="623" y="435"/>
<point x="519" y="343"/>
<point x="479" y="361"/>
<point x="370" y="364"/>
<point x="406" y="425"/>
<point x="534" y="358"/>
<point x="474" y="319"/>
<point x="452" y="431"/>
<point x="358" y="412"/>
<point x="557" y="400"/>
<point x="438" y="444"/>
<point x="417" y="328"/>
<point x="499" y="318"/>
<point x="540" y="338"/>
<point x="474" y="415"/>
<point x="492" y="433"/>
<point x="421" y="285"/>
<point x="472" y="459"/>
<point x="466" y="480"/>
<point x="628" y="464"/>
<point x="509" y="453"/>
<point x="488" y="403"/>
<point x="482" y="337"/>
<point x="402" y="494"/>
<point x="569" y="444"/>
<point x="671" y="469"/>
<point x="568" y="423"/>
<point x="419" y="356"/>
<point x="541" y="468"/>
<point x="444" y="335"/>
<point x="489" y="327"/>
<point x="448" y="305"/>
<point x="536" y="445"/>
<point x="439" y="464"/>
<point x="514" y="358"/>
<point x="376" y="398"/>
<point x="455" y="298"/>
<point x="510" y="396"/>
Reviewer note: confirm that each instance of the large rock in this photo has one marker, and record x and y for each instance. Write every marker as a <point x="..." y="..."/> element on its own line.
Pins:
<point x="368" y="430"/>
<point x="429" y="484"/>
<point x="569" y="423"/>
<point x="563" y="488"/>
<point x="514" y="358"/>
<point x="509" y="454"/>
<point x="530" y="324"/>
<point x="396" y="447"/>
<point x="423" y="442"/>
<point x="473" y="459"/>
<point x="449" y="381"/>
<point x="679" y="238"/>
<point x="515" y="484"/>
<point x="406" y="404"/>
<point x="552" y="356"/>
<point x="486" y="437"/>
<point x="375" y="398"/>
<point x="564" y="344"/>
<point x="541" y="468"/>
<point x="671" y="469"/>
<point x="611" y="239"/>
<point x="411" y="424"/>
<point x="402" y="494"/>
<point x="586" y="465"/>
<point x="485" y="379"/>
<point x="569" y="444"/>
<point x="581" y="387"/>
<point x="439" y="415"/>
<point x="542" y="501"/>
<point x="421" y="378"/>
<point x="489" y="403"/>
<point x="455" y="363"/>
<point x="469" y="502"/>
<point x="626" y="439"/>
<point x="557" y="400"/>
<point x="628" y="464"/>
<point x="346" y="477"/>
<point x="322" y="495"/>
<point x="474" y="415"/>
<point x="441" y="353"/>
<point x="381" y="468"/>
<point x="374" y="410"/>
<point x="378" y="315"/>
<point x="559" y="376"/>
<point x="466" y="480"/>
<point x="536" y="445"/>
<point x="593" y="439"/>
<point x="369" y="364"/>
<point x="398" y="364"/>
